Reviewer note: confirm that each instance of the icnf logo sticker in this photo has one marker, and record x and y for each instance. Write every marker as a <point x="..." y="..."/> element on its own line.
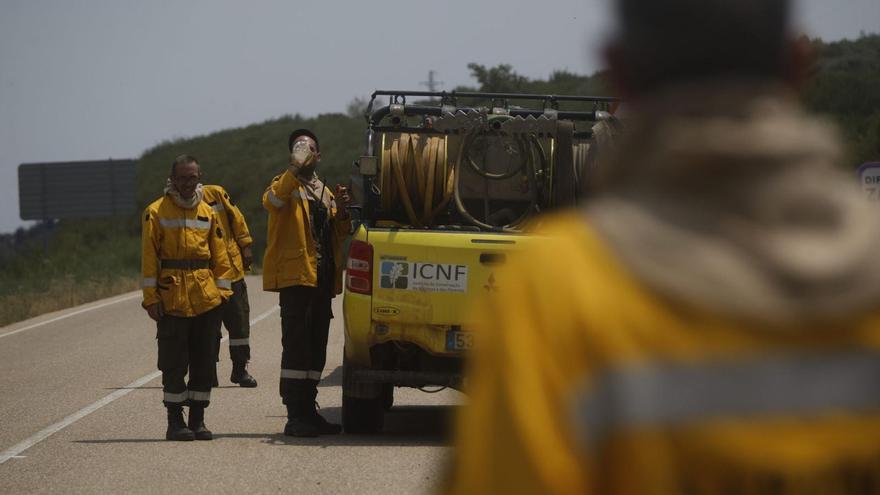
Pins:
<point x="423" y="277"/>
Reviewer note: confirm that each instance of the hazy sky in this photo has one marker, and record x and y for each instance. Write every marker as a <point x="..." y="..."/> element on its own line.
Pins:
<point x="99" y="79"/>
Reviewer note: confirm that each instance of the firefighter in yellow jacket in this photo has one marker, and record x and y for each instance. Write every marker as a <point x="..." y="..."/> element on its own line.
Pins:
<point x="710" y="323"/>
<point x="303" y="263"/>
<point x="236" y="311"/>
<point x="186" y="278"/>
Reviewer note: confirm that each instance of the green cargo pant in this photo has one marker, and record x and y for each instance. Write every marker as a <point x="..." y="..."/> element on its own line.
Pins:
<point x="236" y="319"/>
<point x="188" y="344"/>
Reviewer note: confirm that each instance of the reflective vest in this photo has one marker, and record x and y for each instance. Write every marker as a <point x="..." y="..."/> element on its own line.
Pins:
<point x="184" y="262"/>
<point x="291" y="253"/>
<point x="232" y="221"/>
<point x="584" y="381"/>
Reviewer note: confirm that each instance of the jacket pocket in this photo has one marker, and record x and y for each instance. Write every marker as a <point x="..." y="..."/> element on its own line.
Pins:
<point x="292" y="254"/>
<point x="291" y="266"/>
<point x="207" y="289"/>
<point x="172" y="293"/>
<point x="198" y="242"/>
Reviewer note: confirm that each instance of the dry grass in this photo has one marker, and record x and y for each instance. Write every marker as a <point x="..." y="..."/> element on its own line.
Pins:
<point x="65" y="292"/>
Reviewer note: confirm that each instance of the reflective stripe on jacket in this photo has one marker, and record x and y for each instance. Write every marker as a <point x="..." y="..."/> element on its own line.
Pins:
<point x="173" y="233"/>
<point x="585" y="381"/>
<point x="233" y="223"/>
<point x="291" y="252"/>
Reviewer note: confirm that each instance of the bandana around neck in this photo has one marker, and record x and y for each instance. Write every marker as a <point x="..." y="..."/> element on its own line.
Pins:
<point x="184" y="203"/>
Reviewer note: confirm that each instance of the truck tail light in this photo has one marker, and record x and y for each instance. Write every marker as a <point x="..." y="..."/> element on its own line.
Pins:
<point x="359" y="276"/>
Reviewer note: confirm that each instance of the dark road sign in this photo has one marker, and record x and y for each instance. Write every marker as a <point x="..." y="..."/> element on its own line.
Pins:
<point x="76" y="189"/>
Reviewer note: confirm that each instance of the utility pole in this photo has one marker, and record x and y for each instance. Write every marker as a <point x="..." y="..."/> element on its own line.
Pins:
<point x="432" y="84"/>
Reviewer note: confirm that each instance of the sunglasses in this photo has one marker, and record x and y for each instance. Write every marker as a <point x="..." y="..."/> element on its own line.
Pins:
<point x="189" y="179"/>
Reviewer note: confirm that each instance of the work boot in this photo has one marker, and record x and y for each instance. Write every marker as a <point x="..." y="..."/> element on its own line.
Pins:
<point x="241" y="376"/>
<point x="299" y="422"/>
<point x="197" y="423"/>
<point x="177" y="429"/>
<point x="324" y="427"/>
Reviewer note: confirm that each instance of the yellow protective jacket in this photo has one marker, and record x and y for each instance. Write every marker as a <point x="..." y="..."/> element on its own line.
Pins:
<point x="232" y="221"/>
<point x="291" y="252"/>
<point x="585" y="382"/>
<point x="170" y="232"/>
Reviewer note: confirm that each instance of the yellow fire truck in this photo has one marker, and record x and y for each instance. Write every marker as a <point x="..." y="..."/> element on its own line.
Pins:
<point x="445" y="191"/>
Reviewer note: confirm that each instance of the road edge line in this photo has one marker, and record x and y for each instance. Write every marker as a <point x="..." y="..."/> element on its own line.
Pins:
<point x="45" y="433"/>
<point x="74" y="313"/>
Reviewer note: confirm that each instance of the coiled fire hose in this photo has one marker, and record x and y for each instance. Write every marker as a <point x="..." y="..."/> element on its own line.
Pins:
<point x="415" y="173"/>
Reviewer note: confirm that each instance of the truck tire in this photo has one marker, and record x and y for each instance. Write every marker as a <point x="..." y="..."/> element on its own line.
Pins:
<point x="387" y="396"/>
<point x="360" y="415"/>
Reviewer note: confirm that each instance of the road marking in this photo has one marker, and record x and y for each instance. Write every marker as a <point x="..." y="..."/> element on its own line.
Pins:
<point x="68" y="315"/>
<point x="15" y="451"/>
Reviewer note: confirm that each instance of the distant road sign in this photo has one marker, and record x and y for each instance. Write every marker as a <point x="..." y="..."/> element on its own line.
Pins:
<point x="76" y="189"/>
<point x="869" y="178"/>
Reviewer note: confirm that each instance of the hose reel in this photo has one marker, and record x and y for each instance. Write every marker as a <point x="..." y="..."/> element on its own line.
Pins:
<point x="415" y="174"/>
<point x="531" y="169"/>
<point x="421" y="173"/>
<point x="419" y="177"/>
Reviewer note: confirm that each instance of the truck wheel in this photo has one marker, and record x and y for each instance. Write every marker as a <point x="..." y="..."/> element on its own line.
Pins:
<point x="362" y="415"/>
<point x="387" y="396"/>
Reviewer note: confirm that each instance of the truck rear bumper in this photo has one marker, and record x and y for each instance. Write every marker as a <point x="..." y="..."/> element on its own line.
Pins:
<point x="409" y="378"/>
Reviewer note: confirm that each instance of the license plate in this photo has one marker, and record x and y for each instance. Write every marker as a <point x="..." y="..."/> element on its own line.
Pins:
<point x="459" y="341"/>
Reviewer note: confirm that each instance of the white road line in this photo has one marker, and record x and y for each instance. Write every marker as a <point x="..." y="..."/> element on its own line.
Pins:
<point x="68" y="315"/>
<point x="15" y="451"/>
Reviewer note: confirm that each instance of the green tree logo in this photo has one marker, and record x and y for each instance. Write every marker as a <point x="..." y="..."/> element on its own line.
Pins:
<point x="394" y="275"/>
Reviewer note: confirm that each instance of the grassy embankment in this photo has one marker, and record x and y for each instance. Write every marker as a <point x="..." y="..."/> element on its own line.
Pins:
<point x="76" y="263"/>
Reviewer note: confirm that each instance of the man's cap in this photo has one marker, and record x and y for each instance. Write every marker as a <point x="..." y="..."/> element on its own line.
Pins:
<point x="299" y="133"/>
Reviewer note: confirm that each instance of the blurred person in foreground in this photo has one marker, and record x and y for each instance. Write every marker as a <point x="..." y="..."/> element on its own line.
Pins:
<point x="187" y="277"/>
<point x="236" y="311"/>
<point x="709" y="323"/>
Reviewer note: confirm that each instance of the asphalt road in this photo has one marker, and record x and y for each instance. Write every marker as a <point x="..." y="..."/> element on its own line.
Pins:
<point x="81" y="412"/>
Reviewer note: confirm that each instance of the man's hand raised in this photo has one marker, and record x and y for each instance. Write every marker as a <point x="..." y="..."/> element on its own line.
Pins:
<point x="343" y="201"/>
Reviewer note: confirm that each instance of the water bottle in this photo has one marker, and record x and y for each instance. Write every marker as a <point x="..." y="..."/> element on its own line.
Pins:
<point x="302" y="153"/>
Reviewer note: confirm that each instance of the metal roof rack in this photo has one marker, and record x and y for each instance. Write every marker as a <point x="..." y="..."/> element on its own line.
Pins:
<point x="500" y="104"/>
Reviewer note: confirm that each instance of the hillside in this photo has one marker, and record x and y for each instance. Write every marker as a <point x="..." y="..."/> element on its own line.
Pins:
<point x="76" y="261"/>
<point x="847" y="89"/>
